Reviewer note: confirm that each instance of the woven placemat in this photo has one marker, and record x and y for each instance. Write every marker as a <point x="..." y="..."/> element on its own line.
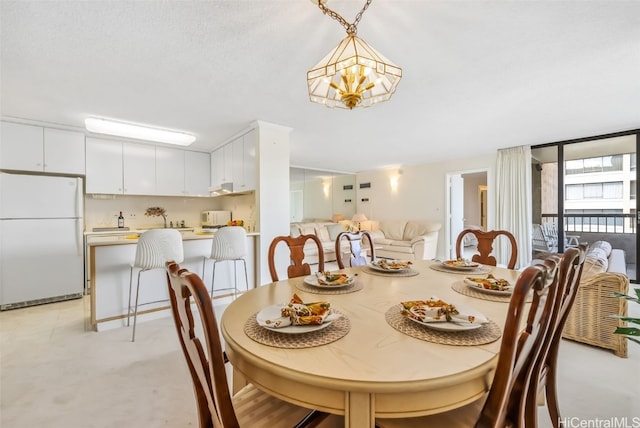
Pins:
<point x="356" y="286"/>
<point x="464" y="289"/>
<point x="489" y="332"/>
<point x="410" y="272"/>
<point x="476" y="271"/>
<point x="335" y="331"/>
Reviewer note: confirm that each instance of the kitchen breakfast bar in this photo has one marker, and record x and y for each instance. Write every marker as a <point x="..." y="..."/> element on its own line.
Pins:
<point x="109" y="259"/>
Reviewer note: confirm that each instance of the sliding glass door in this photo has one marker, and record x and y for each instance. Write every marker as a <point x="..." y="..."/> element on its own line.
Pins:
<point x="585" y="191"/>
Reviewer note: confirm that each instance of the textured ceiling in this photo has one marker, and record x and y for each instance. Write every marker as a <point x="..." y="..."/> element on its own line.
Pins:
<point x="478" y="75"/>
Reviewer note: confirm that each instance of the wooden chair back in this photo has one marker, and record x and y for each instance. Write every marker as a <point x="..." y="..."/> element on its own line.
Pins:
<point x="356" y="247"/>
<point x="520" y="348"/>
<point x="485" y="246"/>
<point x="204" y="354"/>
<point x="297" y="267"/>
<point x="545" y="373"/>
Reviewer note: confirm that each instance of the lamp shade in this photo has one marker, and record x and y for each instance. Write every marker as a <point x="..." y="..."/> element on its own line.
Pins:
<point x="353" y="74"/>
<point x="359" y="217"/>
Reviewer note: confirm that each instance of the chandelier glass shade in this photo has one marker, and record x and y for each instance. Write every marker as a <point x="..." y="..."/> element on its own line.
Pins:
<point x="353" y="75"/>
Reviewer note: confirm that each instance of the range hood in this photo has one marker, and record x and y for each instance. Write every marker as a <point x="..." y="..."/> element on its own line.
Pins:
<point x="223" y="189"/>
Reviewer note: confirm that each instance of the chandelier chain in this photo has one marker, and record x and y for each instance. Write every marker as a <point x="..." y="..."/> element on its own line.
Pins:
<point x="352" y="29"/>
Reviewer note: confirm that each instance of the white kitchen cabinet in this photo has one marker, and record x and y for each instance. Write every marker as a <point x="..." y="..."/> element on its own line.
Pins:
<point x="244" y="159"/>
<point x="34" y="148"/>
<point x="197" y="174"/>
<point x="249" y="160"/>
<point x="139" y="168"/>
<point x="170" y="171"/>
<point x="104" y="167"/>
<point x="228" y="163"/>
<point x="217" y="168"/>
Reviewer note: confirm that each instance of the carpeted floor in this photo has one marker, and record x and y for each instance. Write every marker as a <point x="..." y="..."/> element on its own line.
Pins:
<point x="55" y="373"/>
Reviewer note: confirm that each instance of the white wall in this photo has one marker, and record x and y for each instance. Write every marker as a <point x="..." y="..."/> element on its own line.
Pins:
<point x="420" y="193"/>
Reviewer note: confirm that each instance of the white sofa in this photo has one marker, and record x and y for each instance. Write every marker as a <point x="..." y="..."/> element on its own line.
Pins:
<point x="327" y="231"/>
<point x="405" y="239"/>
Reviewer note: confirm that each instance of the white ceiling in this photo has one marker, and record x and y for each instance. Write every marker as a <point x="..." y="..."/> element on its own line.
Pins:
<point x="478" y="75"/>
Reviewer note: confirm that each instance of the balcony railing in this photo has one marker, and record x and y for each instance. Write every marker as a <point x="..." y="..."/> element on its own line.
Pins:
<point x="598" y="223"/>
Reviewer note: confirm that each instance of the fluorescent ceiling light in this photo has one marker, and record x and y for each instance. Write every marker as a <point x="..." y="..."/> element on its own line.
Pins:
<point x="139" y="132"/>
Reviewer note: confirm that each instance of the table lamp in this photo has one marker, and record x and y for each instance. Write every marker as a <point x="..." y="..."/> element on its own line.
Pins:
<point x="358" y="219"/>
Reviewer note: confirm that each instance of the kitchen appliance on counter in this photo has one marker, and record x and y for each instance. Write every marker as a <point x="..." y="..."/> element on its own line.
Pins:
<point x="214" y="219"/>
<point x="41" y="239"/>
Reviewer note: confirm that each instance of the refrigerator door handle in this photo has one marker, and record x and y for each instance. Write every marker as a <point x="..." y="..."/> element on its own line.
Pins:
<point x="79" y="238"/>
<point x="79" y="198"/>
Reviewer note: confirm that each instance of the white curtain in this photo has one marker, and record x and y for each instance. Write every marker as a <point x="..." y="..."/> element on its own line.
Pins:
<point x="514" y="200"/>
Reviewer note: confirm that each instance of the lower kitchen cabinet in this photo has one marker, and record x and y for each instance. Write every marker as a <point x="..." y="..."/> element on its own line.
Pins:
<point x="109" y="272"/>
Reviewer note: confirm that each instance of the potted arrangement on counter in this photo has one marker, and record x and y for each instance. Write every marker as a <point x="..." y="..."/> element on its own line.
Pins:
<point x="157" y="212"/>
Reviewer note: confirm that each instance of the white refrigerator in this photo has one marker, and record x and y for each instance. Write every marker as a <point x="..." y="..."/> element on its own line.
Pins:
<point x="41" y="239"/>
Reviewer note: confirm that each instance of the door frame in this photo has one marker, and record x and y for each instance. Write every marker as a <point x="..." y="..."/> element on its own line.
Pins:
<point x="449" y="243"/>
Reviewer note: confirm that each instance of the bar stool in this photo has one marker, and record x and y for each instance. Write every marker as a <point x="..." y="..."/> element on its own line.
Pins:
<point x="229" y="244"/>
<point x="155" y="248"/>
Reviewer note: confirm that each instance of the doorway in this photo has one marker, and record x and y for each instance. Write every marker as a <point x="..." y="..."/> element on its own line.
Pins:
<point x="467" y="205"/>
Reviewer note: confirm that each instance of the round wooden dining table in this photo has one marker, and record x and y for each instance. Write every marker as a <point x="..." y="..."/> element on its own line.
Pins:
<point x="376" y="369"/>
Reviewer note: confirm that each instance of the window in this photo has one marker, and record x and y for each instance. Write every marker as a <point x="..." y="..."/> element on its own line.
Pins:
<point x="611" y="190"/>
<point x="599" y="164"/>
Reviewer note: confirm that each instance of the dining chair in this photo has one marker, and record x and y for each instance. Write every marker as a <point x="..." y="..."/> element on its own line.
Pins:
<point x="485" y="246"/>
<point x="358" y="255"/>
<point x="202" y="348"/>
<point x="154" y="248"/>
<point x="504" y="405"/>
<point x="229" y="244"/>
<point x="297" y="266"/>
<point x="543" y="386"/>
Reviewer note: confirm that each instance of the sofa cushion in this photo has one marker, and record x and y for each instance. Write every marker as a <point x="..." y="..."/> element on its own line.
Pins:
<point x="334" y="230"/>
<point x="307" y="228"/>
<point x="415" y="228"/>
<point x="394" y="243"/>
<point x="322" y="233"/>
<point x="603" y="245"/>
<point x="595" y="262"/>
<point x="393" y="229"/>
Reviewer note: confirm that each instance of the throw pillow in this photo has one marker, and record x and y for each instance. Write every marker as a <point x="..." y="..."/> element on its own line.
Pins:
<point x="294" y="230"/>
<point x="604" y="245"/>
<point x="322" y="233"/>
<point x="595" y="262"/>
<point x="334" y="230"/>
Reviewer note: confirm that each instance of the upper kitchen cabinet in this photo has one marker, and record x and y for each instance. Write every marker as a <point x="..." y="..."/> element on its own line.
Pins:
<point x="104" y="167"/>
<point x="120" y="168"/>
<point x="244" y="166"/>
<point x="170" y="171"/>
<point x="197" y="174"/>
<point x="34" y="148"/>
<point x="139" y="168"/>
<point x="182" y="172"/>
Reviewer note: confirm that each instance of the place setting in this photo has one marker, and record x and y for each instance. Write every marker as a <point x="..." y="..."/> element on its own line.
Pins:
<point x="391" y="268"/>
<point x="460" y="266"/>
<point x="485" y="287"/>
<point x="297" y="324"/>
<point x="447" y="323"/>
<point x="327" y="282"/>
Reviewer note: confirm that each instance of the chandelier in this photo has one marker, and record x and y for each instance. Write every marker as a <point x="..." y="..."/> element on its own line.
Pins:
<point x="353" y="74"/>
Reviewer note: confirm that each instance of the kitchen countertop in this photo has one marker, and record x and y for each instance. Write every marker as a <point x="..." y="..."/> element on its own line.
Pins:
<point x="131" y="236"/>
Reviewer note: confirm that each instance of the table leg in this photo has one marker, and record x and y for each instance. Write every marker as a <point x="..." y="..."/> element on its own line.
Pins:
<point x="359" y="410"/>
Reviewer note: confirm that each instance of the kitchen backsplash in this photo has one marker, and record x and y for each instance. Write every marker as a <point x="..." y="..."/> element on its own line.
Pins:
<point x="103" y="211"/>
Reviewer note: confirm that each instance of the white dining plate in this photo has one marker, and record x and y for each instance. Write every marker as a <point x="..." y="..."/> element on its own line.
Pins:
<point x="455" y="326"/>
<point x="450" y="264"/>
<point x="313" y="280"/>
<point x="384" y="267"/>
<point x="479" y="287"/>
<point x="273" y="312"/>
